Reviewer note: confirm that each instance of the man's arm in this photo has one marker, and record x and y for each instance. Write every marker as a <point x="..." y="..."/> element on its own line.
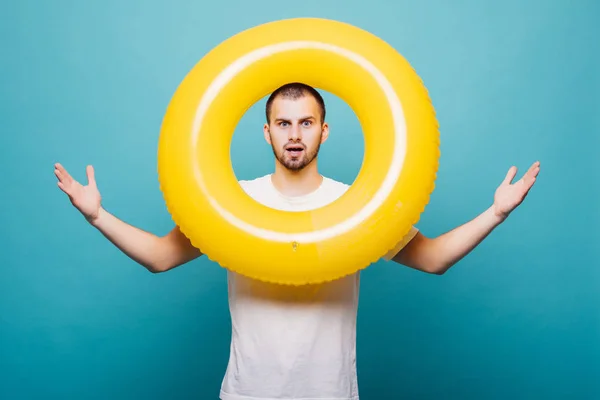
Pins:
<point x="439" y="254"/>
<point x="156" y="254"/>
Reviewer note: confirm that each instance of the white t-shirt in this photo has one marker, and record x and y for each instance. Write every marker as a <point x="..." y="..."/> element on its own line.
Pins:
<point x="293" y="342"/>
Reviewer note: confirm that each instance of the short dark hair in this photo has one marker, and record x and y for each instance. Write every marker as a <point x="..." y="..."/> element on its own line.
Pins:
<point x="295" y="90"/>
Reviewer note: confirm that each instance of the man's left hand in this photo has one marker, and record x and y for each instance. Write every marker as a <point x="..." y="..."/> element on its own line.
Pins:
<point x="510" y="195"/>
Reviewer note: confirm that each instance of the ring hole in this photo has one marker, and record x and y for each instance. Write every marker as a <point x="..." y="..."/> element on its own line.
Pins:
<point x="340" y="157"/>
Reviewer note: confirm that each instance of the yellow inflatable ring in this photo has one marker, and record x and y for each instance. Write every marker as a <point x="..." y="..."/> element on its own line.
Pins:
<point x="390" y="192"/>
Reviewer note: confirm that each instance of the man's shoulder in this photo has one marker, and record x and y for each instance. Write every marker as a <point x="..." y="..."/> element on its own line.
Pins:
<point x="334" y="183"/>
<point x="250" y="185"/>
<point x="256" y="180"/>
<point x="261" y="180"/>
<point x="334" y="186"/>
<point x="262" y="184"/>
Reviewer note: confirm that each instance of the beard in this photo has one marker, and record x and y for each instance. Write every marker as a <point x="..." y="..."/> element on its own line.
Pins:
<point x="296" y="164"/>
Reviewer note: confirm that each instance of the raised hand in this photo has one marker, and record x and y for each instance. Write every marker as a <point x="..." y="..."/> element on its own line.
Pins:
<point x="86" y="199"/>
<point x="510" y="195"/>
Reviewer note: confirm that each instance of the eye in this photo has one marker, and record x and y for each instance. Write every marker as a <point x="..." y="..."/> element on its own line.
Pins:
<point x="307" y="123"/>
<point x="283" y="123"/>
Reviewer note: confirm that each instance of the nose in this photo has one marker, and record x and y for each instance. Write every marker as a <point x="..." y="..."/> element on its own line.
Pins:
<point x="294" y="133"/>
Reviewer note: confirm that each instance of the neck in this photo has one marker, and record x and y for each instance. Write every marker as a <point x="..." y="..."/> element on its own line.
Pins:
<point x="296" y="183"/>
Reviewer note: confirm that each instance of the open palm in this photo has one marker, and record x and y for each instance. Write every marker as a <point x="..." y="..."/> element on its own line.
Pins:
<point x="86" y="199"/>
<point x="510" y="195"/>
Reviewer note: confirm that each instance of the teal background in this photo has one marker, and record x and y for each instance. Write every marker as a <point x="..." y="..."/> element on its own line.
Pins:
<point x="88" y="83"/>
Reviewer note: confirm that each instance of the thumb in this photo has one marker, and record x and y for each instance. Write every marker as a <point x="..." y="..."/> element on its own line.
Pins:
<point x="91" y="175"/>
<point x="512" y="172"/>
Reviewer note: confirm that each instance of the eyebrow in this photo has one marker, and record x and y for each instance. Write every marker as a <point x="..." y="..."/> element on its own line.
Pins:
<point x="301" y="118"/>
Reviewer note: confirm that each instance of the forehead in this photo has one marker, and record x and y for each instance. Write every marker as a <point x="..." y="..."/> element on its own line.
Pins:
<point x="300" y="107"/>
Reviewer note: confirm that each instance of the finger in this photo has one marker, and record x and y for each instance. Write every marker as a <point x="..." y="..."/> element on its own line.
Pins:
<point x="91" y="175"/>
<point x="63" y="172"/>
<point x="61" y="177"/>
<point x="531" y="175"/>
<point x="534" y="169"/>
<point x="63" y="188"/>
<point x="529" y="180"/>
<point x="528" y="187"/>
<point x="512" y="172"/>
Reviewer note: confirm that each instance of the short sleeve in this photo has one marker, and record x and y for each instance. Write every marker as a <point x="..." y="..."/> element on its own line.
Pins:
<point x="405" y="240"/>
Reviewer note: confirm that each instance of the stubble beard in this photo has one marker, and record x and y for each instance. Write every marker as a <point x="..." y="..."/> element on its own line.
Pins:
<point x="296" y="164"/>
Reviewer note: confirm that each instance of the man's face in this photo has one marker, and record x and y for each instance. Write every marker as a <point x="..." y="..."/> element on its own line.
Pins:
<point x="295" y="131"/>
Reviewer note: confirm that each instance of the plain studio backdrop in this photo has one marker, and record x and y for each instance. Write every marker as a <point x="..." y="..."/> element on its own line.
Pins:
<point x="512" y="82"/>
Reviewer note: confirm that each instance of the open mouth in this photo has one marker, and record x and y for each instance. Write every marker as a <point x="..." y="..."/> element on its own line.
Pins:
<point x="294" y="151"/>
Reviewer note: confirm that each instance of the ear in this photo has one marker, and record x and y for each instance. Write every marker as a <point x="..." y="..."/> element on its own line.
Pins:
<point x="267" y="133"/>
<point x="324" y="132"/>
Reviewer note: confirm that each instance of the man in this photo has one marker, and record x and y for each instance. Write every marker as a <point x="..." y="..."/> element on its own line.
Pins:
<point x="294" y="342"/>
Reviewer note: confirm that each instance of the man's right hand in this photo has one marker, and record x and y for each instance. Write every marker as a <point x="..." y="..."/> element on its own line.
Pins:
<point x="86" y="199"/>
<point x="157" y="254"/>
